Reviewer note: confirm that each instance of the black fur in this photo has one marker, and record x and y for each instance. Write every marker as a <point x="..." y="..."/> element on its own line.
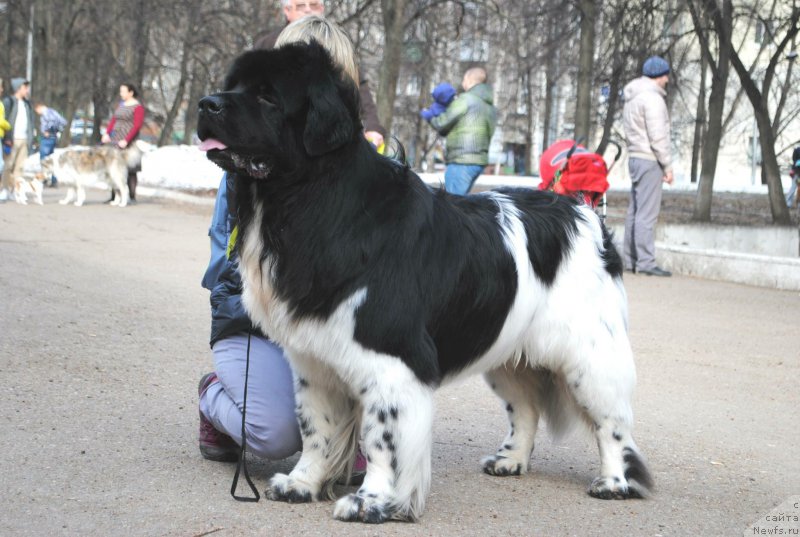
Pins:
<point x="333" y="218"/>
<point x="339" y="217"/>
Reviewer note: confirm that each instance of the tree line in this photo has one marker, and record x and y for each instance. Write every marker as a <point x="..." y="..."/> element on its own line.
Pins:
<point x="558" y="65"/>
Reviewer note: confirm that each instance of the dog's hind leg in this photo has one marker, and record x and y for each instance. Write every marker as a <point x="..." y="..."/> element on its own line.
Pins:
<point x="118" y="173"/>
<point x="81" y="197"/>
<point x="601" y="380"/>
<point x="327" y="418"/>
<point x="38" y="189"/>
<point x="517" y="386"/>
<point x="396" y="435"/>
<point x="124" y="194"/>
<point x="69" y="197"/>
<point x="20" y="192"/>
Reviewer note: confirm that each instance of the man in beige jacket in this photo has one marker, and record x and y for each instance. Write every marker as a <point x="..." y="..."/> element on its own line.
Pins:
<point x="646" y="121"/>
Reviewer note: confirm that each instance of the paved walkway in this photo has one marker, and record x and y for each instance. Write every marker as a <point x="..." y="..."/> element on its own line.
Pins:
<point x="103" y="336"/>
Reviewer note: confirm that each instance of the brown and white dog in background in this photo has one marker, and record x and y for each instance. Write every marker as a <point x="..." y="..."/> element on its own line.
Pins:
<point x="24" y="186"/>
<point x="84" y="166"/>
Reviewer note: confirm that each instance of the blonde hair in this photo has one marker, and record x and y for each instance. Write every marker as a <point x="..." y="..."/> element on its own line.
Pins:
<point x="326" y="33"/>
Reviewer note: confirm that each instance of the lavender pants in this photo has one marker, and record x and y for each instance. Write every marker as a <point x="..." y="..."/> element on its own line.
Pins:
<point x="270" y="426"/>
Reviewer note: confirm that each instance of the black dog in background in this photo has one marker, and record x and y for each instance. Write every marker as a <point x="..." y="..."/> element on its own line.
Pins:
<point x="379" y="290"/>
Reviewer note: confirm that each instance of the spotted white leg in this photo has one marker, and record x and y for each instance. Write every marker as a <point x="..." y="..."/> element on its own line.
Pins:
<point x="326" y="415"/>
<point x="516" y="387"/>
<point x="396" y="433"/>
<point x="603" y="390"/>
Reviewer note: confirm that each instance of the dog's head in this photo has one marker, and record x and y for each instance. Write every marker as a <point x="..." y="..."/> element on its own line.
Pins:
<point x="279" y="107"/>
<point x="47" y="165"/>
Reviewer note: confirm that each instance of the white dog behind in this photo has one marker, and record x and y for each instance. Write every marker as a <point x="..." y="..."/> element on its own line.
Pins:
<point x="23" y="187"/>
<point x="87" y="165"/>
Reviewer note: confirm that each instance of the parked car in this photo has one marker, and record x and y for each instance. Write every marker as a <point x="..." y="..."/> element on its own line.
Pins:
<point x="81" y="128"/>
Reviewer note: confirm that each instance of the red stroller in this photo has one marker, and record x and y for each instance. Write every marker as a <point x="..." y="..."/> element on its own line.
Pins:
<point x="568" y="168"/>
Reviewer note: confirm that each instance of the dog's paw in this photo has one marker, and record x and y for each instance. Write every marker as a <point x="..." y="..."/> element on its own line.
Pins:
<point x="63" y="202"/>
<point x="364" y="507"/>
<point x="613" y="488"/>
<point x="282" y="488"/>
<point x="78" y="204"/>
<point x="500" y="466"/>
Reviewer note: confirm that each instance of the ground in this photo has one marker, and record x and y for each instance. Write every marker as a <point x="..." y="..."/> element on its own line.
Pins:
<point x="727" y="208"/>
<point x="104" y="335"/>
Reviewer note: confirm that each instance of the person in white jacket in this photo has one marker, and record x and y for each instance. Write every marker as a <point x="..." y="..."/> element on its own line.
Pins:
<point x="646" y="122"/>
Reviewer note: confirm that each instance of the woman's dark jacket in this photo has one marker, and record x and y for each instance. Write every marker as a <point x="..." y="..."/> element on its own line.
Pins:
<point x="222" y="277"/>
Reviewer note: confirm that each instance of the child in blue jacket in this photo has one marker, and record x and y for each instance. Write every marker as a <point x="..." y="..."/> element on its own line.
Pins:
<point x="443" y="95"/>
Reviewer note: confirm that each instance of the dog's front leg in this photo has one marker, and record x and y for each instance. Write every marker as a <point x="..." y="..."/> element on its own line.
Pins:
<point x="69" y="197"/>
<point x="38" y="189"/>
<point x="124" y="195"/>
<point x="396" y="434"/>
<point x="327" y="418"/>
<point x="81" y="195"/>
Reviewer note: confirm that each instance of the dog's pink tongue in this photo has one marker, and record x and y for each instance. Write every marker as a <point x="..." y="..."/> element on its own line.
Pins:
<point x="211" y="143"/>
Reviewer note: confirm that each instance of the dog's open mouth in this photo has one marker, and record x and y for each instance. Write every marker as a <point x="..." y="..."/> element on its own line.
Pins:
<point x="227" y="159"/>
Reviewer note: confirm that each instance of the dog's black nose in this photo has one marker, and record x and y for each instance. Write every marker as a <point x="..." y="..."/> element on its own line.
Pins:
<point x="211" y="104"/>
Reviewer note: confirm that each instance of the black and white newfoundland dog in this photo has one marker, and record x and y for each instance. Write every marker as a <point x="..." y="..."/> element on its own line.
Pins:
<point x="380" y="289"/>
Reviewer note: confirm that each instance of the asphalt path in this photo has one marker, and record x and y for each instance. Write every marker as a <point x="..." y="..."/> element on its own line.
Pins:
<point x="104" y="335"/>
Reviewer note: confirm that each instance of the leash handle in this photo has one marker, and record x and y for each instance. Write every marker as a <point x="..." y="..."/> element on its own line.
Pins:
<point x="241" y="465"/>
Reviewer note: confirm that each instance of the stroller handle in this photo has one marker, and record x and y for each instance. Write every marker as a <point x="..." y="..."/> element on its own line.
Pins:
<point x="619" y="149"/>
<point x="617" y="156"/>
<point x="572" y="149"/>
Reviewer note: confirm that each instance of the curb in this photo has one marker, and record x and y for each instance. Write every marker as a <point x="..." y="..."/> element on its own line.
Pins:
<point x="164" y="193"/>
<point x="750" y="269"/>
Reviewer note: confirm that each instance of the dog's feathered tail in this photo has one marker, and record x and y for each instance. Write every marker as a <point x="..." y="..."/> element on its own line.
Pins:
<point x="342" y="450"/>
<point x="556" y="404"/>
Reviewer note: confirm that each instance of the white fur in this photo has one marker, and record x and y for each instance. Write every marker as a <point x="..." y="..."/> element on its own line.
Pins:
<point x="115" y="175"/>
<point x="575" y="328"/>
<point x="23" y="187"/>
<point x="104" y="166"/>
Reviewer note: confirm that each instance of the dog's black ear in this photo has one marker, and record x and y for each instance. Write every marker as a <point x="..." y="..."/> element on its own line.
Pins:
<point x="329" y="124"/>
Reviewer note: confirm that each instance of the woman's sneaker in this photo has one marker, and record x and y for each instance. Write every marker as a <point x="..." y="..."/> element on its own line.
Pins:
<point x="359" y="469"/>
<point x="214" y="445"/>
<point x="358" y="472"/>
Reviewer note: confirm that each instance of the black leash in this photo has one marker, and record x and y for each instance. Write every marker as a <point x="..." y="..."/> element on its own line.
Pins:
<point x="242" y="464"/>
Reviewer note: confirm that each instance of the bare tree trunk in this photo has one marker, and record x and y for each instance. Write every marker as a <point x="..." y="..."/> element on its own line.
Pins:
<point x="529" y="126"/>
<point x="700" y="121"/>
<point x="389" y="72"/>
<point x="723" y="21"/>
<point x="785" y="89"/>
<point x="583" y="105"/>
<point x="169" y="121"/>
<point x="421" y="126"/>
<point x="551" y="77"/>
<point x="770" y="171"/>
<point x="101" y="76"/>
<point x="136" y="61"/>
<point x="614" y="87"/>
<point x="197" y="89"/>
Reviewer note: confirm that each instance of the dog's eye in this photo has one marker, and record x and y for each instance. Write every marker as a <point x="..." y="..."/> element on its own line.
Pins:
<point x="265" y="100"/>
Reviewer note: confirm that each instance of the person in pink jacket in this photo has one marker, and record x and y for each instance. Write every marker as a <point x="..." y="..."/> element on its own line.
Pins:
<point x="646" y="122"/>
